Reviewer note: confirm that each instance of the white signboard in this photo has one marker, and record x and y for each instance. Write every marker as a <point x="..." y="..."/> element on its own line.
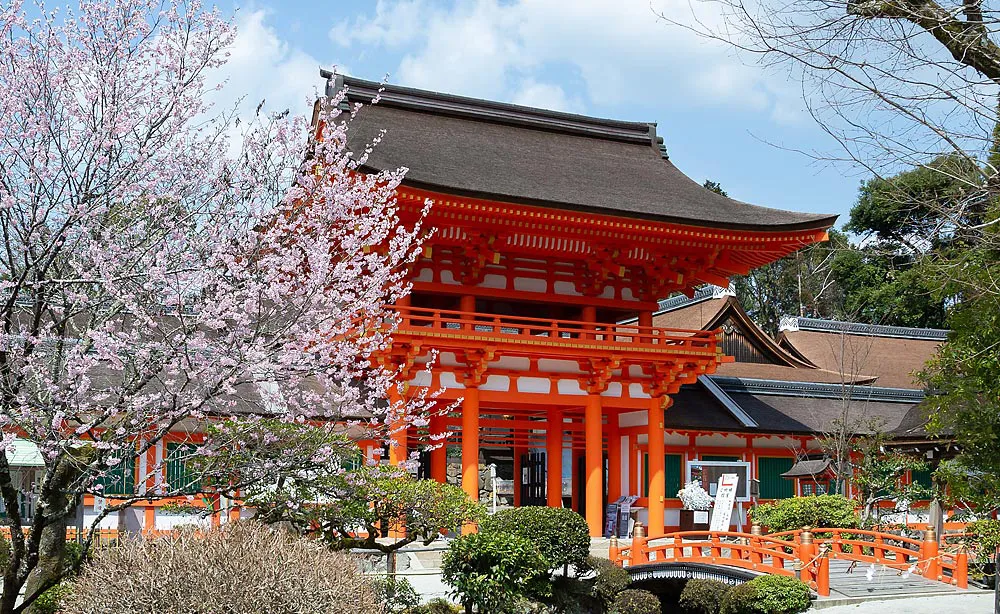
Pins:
<point x="722" y="511"/>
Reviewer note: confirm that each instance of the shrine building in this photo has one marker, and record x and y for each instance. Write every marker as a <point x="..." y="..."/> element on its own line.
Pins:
<point x="557" y="236"/>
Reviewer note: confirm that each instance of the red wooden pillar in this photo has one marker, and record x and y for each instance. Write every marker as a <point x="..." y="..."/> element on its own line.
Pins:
<point x="397" y="426"/>
<point x="656" y="466"/>
<point x="594" y="470"/>
<point x="553" y="458"/>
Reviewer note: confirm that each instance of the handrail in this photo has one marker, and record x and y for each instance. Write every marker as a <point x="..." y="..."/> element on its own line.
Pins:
<point x="417" y="319"/>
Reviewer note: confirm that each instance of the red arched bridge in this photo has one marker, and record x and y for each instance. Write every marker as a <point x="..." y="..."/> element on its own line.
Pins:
<point x="809" y="554"/>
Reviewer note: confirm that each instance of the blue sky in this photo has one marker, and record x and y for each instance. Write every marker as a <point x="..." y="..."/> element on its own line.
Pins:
<point x="722" y="117"/>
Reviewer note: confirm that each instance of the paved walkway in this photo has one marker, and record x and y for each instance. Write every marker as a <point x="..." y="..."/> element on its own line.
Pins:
<point x="853" y="581"/>
<point x="972" y="602"/>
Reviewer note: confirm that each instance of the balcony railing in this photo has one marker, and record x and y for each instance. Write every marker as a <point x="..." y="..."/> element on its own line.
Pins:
<point x="537" y="332"/>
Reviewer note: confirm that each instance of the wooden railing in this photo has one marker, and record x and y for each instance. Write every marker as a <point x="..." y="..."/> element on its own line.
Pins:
<point x="805" y="553"/>
<point x="421" y="321"/>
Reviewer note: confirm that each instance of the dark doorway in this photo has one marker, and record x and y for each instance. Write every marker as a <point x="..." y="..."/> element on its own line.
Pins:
<point x="581" y="475"/>
<point x="532" y="478"/>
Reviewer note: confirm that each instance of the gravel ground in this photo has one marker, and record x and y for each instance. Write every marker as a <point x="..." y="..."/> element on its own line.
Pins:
<point x="981" y="603"/>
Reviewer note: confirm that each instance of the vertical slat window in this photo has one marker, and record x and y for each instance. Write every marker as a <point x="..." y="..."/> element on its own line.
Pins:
<point x="180" y="477"/>
<point x="672" y="467"/>
<point x="118" y="480"/>
<point x="922" y="478"/>
<point x="772" y="485"/>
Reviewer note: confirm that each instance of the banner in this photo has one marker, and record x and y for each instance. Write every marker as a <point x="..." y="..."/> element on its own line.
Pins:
<point x="725" y="497"/>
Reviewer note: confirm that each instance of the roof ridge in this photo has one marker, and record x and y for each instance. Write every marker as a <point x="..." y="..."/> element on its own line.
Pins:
<point x="855" y="392"/>
<point x="703" y="293"/>
<point x="796" y="323"/>
<point x="362" y="90"/>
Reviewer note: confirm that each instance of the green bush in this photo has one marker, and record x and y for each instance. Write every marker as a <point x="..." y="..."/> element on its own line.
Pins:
<point x="609" y="581"/>
<point x="493" y="571"/>
<point x="561" y="535"/>
<point x="50" y="602"/>
<point x="396" y="593"/>
<point x="435" y="606"/>
<point x="832" y="511"/>
<point x="703" y="596"/>
<point x="767" y="595"/>
<point x="985" y="536"/>
<point x="635" y="601"/>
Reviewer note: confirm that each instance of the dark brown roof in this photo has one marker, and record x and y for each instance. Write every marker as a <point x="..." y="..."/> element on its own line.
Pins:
<point x="892" y="359"/>
<point x="789" y="374"/>
<point x="482" y="149"/>
<point x="807" y="468"/>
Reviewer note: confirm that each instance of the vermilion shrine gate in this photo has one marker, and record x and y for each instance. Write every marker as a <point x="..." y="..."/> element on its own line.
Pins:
<point x="551" y="230"/>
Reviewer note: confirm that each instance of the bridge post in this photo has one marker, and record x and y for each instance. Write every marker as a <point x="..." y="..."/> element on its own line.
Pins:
<point x="929" y="555"/>
<point x="638" y="555"/>
<point x="806" y="554"/>
<point x="823" y="571"/>
<point x="961" y="578"/>
<point x="613" y="551"/>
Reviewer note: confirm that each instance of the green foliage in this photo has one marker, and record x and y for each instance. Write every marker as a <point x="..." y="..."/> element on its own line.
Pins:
<point x="636" y="601"/>
<point x="50" y="602"/>
<point x="878" y="476"/>
<point x="833" y="511"/>
<point x="396" y="593"/>
<point x="379" y="498"/>
<point x="985" y="536"/>
<point x="435" y="606"/>
<point x="767" y="595"/>
<point x="703" y="596"/>
<point x="609" y="580"/>
<point x="561" y="535"/>
<point x="493" y="571"/>
<point x="572" y="595"/>
<point x="713" y="186"/>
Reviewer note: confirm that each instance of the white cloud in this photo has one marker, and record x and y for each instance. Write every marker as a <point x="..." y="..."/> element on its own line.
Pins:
<point x="619" y="52"/>
<point x="263" y="67"/>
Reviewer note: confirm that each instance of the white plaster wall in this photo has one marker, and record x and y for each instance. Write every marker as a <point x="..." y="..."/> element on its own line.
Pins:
<point x="422" y="378"/>
<point x="721" y="440"/>
<point x="170" y="520"/>
<point x="494" y="281"/>
<point x="447" y="277"/>
<point x="632" y="418"/>
<point x="540" y="385"/>
<point x="775" y="441"/>
<point x="528" y="284"/>
<point x="108" y="522"/>
<point x="558" y="366"/>
<point x="565" y="288"/>
<point x="426" y="274"/>
<point x="496" y="382"/>
<point x="513" y="363"/>
<point x="448" y="380"/>
<point x="614" y="390"/>
<point x="570" y="387"/>
<point x="636" y="392"/>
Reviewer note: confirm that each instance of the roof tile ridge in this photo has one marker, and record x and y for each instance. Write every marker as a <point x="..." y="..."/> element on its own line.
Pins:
<point x="801" y="323"/>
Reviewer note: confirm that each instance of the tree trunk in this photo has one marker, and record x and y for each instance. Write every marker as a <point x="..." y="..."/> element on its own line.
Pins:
<point x="51" y="558"/>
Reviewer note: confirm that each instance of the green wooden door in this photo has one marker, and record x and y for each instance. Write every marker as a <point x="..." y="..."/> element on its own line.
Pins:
<point x="673" y="465"/>
<point x="772" y="485"/>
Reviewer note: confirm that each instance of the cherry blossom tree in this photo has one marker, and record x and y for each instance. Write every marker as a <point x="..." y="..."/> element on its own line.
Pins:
<point x="165" y="267"/>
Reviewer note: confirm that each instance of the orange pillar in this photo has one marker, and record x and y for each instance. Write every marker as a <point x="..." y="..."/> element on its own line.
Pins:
<point x="397" y="439"/>
<point x="439" y="455"/>
<point x="553" y="458"/>
<point x="594" y="465"/>
<point x="614" y="457"/>
<point x="470" y="443"/>
<point x="656" y="467"/>
<point x="645" y="318"/>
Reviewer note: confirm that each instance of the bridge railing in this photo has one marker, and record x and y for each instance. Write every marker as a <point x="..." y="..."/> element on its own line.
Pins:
<point x="752" y="551"/>
<point x="805" y="553"/>
<point x="920" y="557"/>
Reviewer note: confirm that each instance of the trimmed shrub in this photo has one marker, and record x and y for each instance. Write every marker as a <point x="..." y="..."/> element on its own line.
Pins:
<point x="395" y="593"/>
<point x="561" y="535"/>
<point x="635" y="601"/>
<point x="609" y="581"/>
<point x="241" y="567"/>
<point x="435" y="606"/>
<point x="767" y="595"/>
<point x="833" y="511"/>
<point x="493" y="571"/>
<point x="703" y="596"/>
